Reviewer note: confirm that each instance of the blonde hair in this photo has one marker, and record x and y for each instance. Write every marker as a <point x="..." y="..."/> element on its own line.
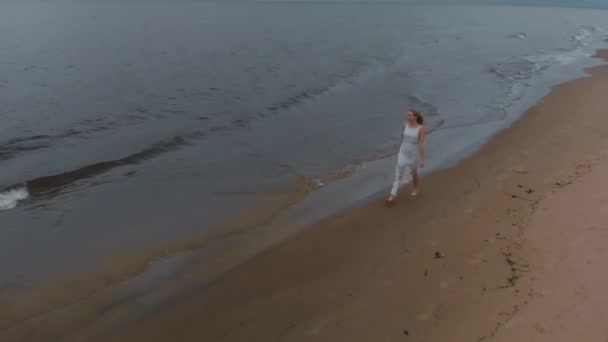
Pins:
<point x="418" y="115"/>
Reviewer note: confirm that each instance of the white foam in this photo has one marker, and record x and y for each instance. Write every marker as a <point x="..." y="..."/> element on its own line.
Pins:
<point x="317" y="183"/>
<point x="582" y="35"/>
<point x="9" y="199"/>
<point x="585" y="33"/>
<point x="520" y="35"/>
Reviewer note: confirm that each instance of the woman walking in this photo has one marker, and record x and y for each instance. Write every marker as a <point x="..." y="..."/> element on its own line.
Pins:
<point x="411" y="153"/>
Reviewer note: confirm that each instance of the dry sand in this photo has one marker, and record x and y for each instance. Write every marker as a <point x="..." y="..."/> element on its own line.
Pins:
<point x="511" y="244"/>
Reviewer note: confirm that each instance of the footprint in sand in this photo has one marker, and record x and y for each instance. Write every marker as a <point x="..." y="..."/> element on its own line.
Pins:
<point x="444" y="284"/>
<point x="476" y="259"/>
<point x="539" y="328"/>
<point x="319" y="326"/>
<point x="521" y="170"/>
<point x="512" y="323"/>
<point x="423" y="317"/>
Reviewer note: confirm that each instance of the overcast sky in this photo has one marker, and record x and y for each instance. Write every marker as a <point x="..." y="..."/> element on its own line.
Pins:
<point x="561" y="3"/>
<point x="567" y="3"/>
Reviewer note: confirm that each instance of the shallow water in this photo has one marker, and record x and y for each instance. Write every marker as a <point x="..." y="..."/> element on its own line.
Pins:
<point x="130" y="125"/>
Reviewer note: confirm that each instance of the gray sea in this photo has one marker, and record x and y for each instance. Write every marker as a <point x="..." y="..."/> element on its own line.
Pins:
<point x="130" y="126"/>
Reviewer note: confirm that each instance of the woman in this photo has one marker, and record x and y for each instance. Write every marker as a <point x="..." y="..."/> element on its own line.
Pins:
<point x="411" y="153"/>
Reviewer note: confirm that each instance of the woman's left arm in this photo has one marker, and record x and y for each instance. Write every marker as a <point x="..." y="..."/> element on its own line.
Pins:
<point x="421" y="137"/>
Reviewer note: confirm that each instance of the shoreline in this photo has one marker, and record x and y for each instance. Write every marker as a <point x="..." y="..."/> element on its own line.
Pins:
<point x="347" y="214"/>
<point x="358" y="266"/>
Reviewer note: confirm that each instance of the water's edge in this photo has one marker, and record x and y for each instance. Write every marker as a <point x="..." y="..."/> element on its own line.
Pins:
<point x="179" y="272"/>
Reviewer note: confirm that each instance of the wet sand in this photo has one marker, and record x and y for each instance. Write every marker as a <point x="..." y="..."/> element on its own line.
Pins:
<point x="509" y="244"/>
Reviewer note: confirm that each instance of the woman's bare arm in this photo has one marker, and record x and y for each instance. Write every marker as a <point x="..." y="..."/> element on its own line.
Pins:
<point x="421" y="137"/>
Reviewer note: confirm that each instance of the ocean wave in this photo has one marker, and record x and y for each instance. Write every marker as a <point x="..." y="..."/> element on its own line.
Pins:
<point x="583" y="34"/>
<point x="522" y="68"/>
<point x="12" y="148"/>
<point x="516" y="71"/>
<point x="49" y="186"/>
<point x="516" y="68"/>
<point x="340" y="85"/>
<point x="520" y="35"/>
<point x="567" y="57"/>
<point x="300" y="99"/>
<point x="315" y="182"/>
<point x="308" y="96"/>
<point x="10" y="198"/>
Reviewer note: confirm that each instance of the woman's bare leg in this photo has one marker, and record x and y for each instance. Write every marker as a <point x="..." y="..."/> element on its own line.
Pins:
<point x="399" y="171"/>
<point x="415" y="182"/>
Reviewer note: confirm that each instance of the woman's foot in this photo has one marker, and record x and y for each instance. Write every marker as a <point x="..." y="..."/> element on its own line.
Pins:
<point x="414" y="192"/>
<point x="391" y="199"/>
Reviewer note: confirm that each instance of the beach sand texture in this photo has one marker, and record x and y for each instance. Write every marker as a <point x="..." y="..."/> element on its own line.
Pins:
<point x="508" y="245"/>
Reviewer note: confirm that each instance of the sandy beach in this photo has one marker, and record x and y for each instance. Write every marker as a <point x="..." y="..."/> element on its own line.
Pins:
<point x="510" y="244"/>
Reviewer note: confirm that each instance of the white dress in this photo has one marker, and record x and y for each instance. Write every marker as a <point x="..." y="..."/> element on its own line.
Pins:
<point x="409" y="156"/>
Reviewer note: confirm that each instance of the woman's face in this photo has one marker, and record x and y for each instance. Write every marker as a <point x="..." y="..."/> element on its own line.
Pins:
<point x="410" y="116"/>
